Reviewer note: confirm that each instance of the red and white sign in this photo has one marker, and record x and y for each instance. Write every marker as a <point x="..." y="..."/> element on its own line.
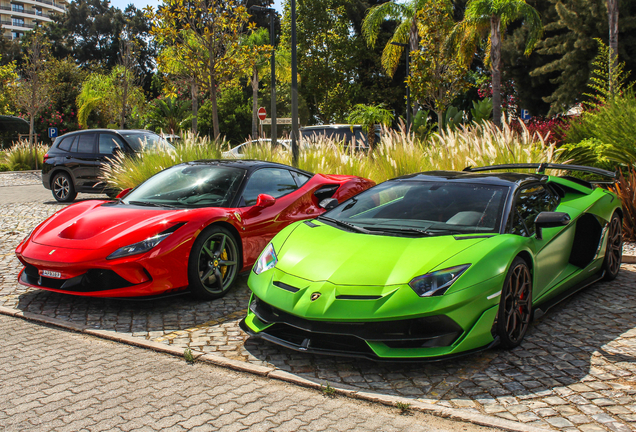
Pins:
<point x="262" y="115"/>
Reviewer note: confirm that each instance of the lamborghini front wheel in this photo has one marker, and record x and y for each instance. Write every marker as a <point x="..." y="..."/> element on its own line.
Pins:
<point x="515" y="307"/>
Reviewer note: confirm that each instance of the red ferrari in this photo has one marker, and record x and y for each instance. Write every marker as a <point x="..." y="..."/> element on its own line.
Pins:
<point x="192" y="226"/>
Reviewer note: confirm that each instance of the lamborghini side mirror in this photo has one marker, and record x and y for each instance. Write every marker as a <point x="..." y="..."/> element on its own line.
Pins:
<point x="550" y="220"/>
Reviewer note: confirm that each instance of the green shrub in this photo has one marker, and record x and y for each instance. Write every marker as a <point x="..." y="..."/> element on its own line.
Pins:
<point x="590" y="152"/>
<point x="22" y="156"/>
<point x="4" y="167"/>
<point x="613" y="124"/>
<point x="129" y="171"/>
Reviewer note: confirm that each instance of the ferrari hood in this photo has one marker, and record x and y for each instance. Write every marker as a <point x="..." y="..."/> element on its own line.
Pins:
<point x="94" y="224"/>
<point x="326" y="253"/>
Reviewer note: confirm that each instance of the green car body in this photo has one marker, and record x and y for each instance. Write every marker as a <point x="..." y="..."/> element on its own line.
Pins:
<point x="333" y="290"/>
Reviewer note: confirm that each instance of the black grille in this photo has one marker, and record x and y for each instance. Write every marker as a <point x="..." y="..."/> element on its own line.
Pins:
<point x="92" y="280"/>
<point x="434" y="331"/>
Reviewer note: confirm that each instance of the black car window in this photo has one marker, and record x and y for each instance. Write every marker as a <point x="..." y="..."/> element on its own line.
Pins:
<point x="108" y="143"/>
<point x="271" y="181"/>
<point x="86" y="143"/>
<point x="301" y="179"/>
<point x="530" y="202"/>
<point x="65" y="143"/>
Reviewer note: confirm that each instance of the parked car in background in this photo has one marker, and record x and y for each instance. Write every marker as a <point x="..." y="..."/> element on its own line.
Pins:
<point x="73" y="163"/>
<point x="11" y="128"/>
<point x="346" y="133"/>
<point x="238" y="152"/>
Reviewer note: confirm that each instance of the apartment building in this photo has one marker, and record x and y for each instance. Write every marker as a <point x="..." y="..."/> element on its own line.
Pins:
<point x="18" y="17"/>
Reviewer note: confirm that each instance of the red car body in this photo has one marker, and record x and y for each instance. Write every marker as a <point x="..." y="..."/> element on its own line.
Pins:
<point x="72" y="246"/>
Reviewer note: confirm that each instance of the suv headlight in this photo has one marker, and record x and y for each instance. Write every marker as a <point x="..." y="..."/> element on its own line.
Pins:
<point x="438" y="282"/>
<point x="138" y="248"/>
<point x="266" y="261"/>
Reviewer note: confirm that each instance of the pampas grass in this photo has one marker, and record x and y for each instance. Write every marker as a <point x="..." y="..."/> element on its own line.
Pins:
<point x="398" y="153"/>
<point x="22" y="156"/>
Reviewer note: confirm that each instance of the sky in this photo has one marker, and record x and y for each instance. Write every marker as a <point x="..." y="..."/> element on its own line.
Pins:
<point x="140" y="4"/>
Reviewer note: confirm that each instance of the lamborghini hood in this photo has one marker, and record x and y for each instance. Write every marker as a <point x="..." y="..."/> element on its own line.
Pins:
<point x="326" y="253"/>
<point x="91" y="225"/>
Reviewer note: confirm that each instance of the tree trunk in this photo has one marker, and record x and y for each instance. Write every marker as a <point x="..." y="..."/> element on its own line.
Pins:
<point x="495" y="64"/>
<point x="31" y="133"/>
<point x="255" y="104"/>
<point x="122" y="116"/>
<point x="414" y="42"/>
<point x="195" y="106"/>
<point x="612" y="13"/>
<point x="371" y="137"/>
<point x="440" y="120"/>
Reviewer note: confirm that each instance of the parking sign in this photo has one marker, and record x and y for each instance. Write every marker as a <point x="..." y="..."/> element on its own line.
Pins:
<point x="52" y="132"/>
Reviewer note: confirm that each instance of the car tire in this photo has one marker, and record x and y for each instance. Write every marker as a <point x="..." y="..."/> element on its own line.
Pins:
<point x="214" y="263"/>
<point x="515" y="306"/>
<point x="63" y="188"/>
<point x="614" y="248"/>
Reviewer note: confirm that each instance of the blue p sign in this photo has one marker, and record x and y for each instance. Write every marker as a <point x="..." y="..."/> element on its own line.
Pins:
<point x="52" y="132"/>
<point x="525" y="114"/>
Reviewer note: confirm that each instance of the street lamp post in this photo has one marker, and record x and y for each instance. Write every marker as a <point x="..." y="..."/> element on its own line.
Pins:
<point x="272" y="42"/>
<point x="408" y="88"/>
<point x="294" y="87"/>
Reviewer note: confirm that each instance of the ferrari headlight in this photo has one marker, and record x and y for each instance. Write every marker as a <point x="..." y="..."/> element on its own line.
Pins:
<point x="266" y="261"/>
<point x="137" y="248"/>
<point x="436" y="283"/>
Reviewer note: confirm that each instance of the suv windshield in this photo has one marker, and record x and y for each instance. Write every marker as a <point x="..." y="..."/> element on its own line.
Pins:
<point x="189" y="186"/>
<point x="145" y="141"/>
<point x="408" y="207"/>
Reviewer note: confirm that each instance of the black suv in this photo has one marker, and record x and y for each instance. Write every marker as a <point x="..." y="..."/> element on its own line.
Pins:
<point x="73" y="163"/>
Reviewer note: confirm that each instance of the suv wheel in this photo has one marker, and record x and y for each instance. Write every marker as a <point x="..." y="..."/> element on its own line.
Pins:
<point x="63" y="188"/>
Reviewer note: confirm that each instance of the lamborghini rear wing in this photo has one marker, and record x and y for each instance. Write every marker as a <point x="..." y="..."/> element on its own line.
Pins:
<point x="541" y="167"/>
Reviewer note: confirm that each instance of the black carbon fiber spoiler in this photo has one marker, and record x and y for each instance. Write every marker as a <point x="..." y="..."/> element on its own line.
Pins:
<point x="541" y="167"/>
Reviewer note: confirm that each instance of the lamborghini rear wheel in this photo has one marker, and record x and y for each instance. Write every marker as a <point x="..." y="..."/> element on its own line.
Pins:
<point x="213" y="264"/>
<point x="614" y="249"/>
<point x="515" y="307"/>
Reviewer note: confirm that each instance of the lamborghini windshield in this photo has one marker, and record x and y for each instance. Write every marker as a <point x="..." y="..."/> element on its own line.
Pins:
<point x="414" y="207"/>
<point x="189" y="185"/>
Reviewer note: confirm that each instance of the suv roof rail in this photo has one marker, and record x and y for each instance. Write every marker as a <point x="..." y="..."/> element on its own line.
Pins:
<point x="541" y="167"/>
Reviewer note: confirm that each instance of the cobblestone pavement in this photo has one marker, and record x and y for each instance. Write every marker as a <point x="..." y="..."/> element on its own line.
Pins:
<point x="56" y="380"/>
<point x="20" y="178"/>
<point x="574" y="372"/>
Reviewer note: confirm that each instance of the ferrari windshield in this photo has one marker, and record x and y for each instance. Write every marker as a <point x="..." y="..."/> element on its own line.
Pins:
<point x="189" y="185"/>
<point x="415" y="207"/>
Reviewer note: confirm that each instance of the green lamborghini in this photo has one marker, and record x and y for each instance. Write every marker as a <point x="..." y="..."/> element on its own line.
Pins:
<point x="436" y="264"/>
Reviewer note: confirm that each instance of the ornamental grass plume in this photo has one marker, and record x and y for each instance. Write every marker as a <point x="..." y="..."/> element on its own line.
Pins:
<point x="21" y="156"/>
<point x="129" y="171"/>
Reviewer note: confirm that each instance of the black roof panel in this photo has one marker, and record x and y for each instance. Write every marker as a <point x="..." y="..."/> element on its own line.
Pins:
<point x="503" y="178"/>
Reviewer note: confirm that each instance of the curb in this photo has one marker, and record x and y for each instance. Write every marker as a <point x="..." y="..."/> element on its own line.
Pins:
<point x="271" y="372"/>
<point x="628" y="259"/>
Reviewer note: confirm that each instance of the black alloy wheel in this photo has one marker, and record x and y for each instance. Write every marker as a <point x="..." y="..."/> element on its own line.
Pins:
<point x="515" y="306"/>
<point x="63" y="188"/>
<point x="213" y="264"/>
<point x="614" y="249"/>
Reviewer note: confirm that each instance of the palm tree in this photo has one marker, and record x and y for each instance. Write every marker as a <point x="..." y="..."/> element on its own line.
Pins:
<point x="493" y="16"/>
<point x="406" y="32"/>
<point x="167" y="114"/>
<point x="368" y="116"/>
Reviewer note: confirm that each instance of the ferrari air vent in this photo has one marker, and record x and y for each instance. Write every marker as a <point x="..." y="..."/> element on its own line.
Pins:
<point x="326" y="192"/>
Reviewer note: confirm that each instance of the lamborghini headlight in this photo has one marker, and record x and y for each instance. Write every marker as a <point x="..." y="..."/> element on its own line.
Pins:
<point x="266" y="261"/>
<point x="436" y="283"/>
<point x="138" y="248"/>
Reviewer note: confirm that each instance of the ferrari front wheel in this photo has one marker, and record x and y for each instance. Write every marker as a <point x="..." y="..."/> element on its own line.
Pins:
<point x="614" y="249"/>
<point x="515" y="306"/>
<point x="213" y="264"/>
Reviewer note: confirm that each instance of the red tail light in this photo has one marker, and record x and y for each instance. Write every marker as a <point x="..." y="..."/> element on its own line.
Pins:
<point x="46" y="156"/>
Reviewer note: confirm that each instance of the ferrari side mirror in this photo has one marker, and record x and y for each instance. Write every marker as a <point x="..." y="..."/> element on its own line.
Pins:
<point x="123" y="193"/>
<point x="550" y="220"/>
<point x="328" y="203"/>
<point x="264" y="200"/>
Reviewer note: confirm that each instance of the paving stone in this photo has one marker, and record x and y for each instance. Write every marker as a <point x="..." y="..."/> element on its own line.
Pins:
<point x="574" y="361"/>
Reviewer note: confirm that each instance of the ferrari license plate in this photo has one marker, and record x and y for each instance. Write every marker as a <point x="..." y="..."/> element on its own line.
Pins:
<point x="51" y="274"/>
